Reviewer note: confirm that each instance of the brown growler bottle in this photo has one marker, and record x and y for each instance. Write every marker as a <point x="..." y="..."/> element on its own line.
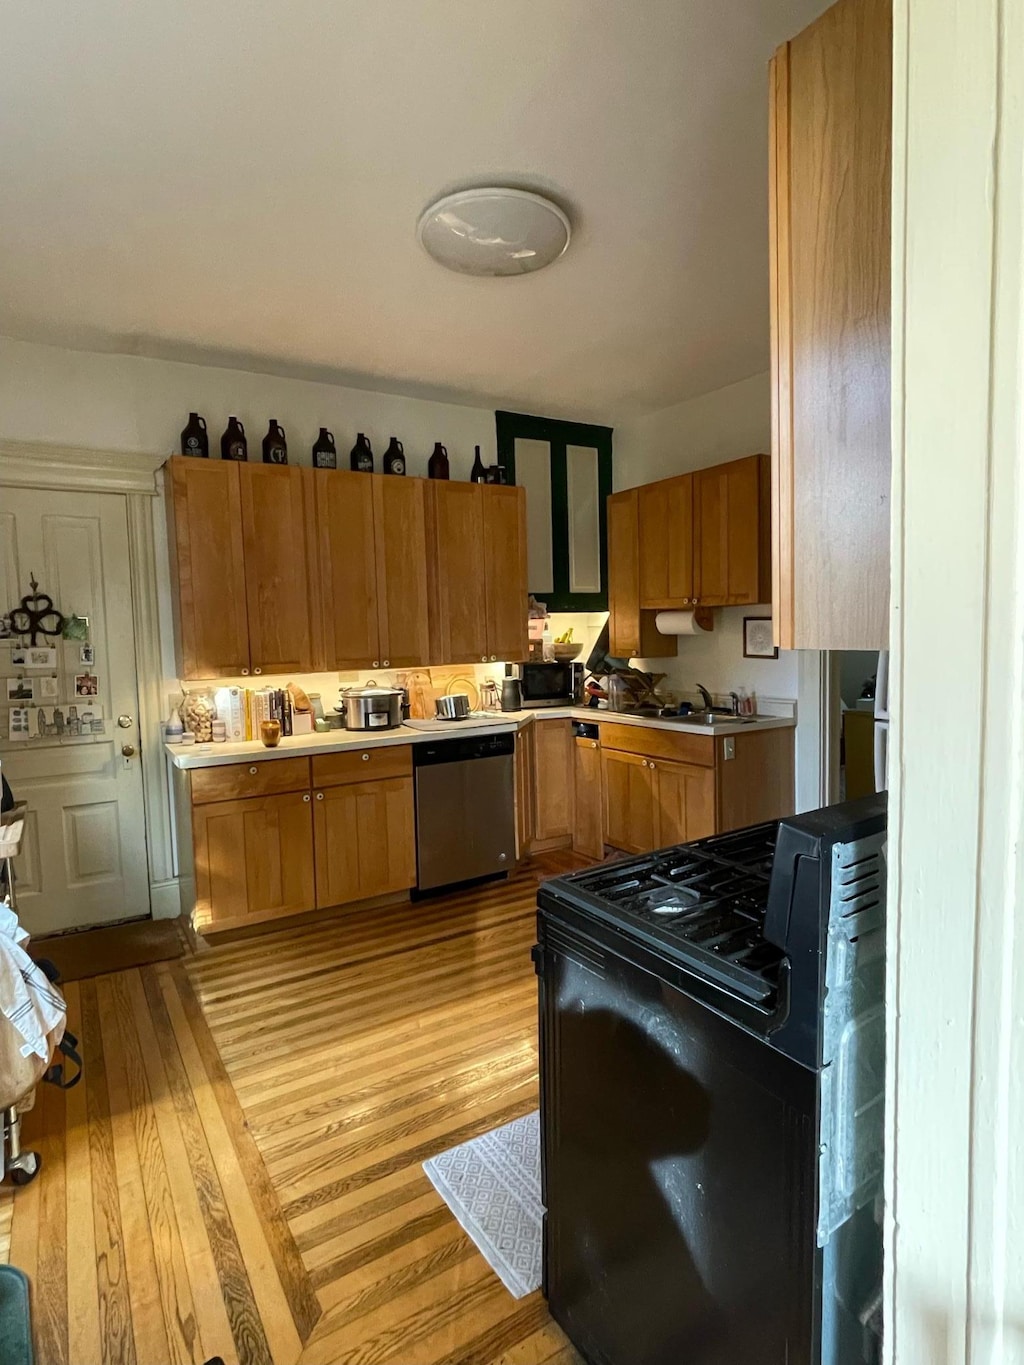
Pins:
<point x="194" y="440"/>
<point x="275" y="447"/>
<point x="438" y="468"/>
<point x="325" y="452"/>
<point x="361" y="458"/>
<point x="233" y="445"/>
<point x="394" y="457"/>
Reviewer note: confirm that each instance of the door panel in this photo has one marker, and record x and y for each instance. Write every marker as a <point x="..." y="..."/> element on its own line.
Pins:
<point x="666" y="543"/>
<point x="628" y="801"/>
<point x="274" y="536"/>
<point x="253" y="857"/>
<point x="504" y="566"/>
<point x="552" y="776"/>
<point x="457" y="566"/>
<point x="365" y="840"/>
<point x="347" y="589"/>
<point x="83" y="858"/>
<point x="400" y="529"/>
<point x="684" y="802"/>
<point x="588" y="803"/>
<point x="205" y="537"/>
<point x="711" y="518"/>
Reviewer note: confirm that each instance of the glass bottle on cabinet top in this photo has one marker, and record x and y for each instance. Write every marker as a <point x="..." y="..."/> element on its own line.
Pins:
<point x="325" y="452"/>
<point x="394" y="457"/>
<point x="361" y="458"/>
<point x="437" y="467"/>
<point x="275" y="447"/>
<point x="478" y="474"/>
<point x="194" y="440"/>
<point x="233" y="445"/>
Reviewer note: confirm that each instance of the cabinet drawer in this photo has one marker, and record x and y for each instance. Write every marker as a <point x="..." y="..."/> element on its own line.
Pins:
<point x="637" y="739"/>
<point x="233" y="780"/>
<point x="362" y="765"/>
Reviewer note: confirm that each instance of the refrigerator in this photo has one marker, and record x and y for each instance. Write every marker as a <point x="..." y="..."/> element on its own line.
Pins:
<point x="882" y="722"/>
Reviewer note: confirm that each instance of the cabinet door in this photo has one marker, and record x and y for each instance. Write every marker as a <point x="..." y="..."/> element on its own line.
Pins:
<point x="365" y="840"/>
<point x="346" y="591"/>
<point x="274" y="535"/>
<point x="552" y="778"/>
<point x="524" y="793"/>
<point x="829" y="233"/>
<point x="588" y="800"/>
<point x="253" y="858"/>
<point x="684" y="802"/>
<point x="504" y="523"/>
<point x="631" y="631"/>
<point x="666" y="543"/>
<point x="456" y="567"/>
<point x="208" y="573"/>
<point x="401" y="593"/>
<point x="731" y="544"/>
<point x="628" y="801"/>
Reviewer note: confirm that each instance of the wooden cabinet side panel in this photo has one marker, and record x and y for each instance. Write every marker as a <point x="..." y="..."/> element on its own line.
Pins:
<point x="588" y="799"/>
<point x="623" y="574"/>
<point x="839" y="149"/>
<point x="504" y="550"/>
<point x="208" y="583"/>
<point x="782" y="547"/>
<point x="401" y="584"/>
<point x="347" y="568"/>
<point x="274" y="536"/>
<point x="758" y="784"/>
<point x="552" y="778"/>
<point x="524" y="792"/>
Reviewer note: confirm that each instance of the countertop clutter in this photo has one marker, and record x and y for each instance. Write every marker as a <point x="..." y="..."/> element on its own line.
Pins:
<point x="498" y="722"/>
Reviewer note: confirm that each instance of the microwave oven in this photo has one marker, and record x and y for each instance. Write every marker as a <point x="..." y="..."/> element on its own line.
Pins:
<point x="557" y="684"/>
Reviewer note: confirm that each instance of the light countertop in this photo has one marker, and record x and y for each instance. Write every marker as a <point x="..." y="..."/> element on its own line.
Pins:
<point x="490" y="723"/>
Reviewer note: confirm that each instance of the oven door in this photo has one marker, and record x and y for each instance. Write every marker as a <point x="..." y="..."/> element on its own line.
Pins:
<point x="547" y="684"/>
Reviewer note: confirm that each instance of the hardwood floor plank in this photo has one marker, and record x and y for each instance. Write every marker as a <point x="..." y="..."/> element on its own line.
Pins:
<point x="144" y="1288"/>
<point x="6" y="1219"/>
<point x="274" y="1308"/>
<point x="50" y="1287"/>
<point x="83" y="1297"/>
<point x="117" y="1336"/>
<point x="250" y="1342"/>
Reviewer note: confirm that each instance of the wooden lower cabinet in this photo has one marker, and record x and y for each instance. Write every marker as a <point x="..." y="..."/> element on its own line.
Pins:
<point x="588" y="804"/>
<point x="253" y="859"/>
<point x="365" y="840"/>
<point x="628" y="801"/>
<point x="552" y="783"/>
<point x="683" y="798"/>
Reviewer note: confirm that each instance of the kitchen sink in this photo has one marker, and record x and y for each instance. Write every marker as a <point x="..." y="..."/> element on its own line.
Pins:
<point x="711" y="718"/>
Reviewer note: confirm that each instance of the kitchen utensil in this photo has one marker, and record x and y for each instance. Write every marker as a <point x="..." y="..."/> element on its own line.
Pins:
<point x="511" y="694"/>
<point x="372" y="707"/>
<point x="453" y="707"/>
<point x="270" y="733"/>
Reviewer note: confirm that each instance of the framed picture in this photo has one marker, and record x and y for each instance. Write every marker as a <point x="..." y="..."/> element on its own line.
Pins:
<point x="21" y="689"/>
<point x="757" y="638"/>
<point x="86" y="685"/>
<point x="87" y="655"/>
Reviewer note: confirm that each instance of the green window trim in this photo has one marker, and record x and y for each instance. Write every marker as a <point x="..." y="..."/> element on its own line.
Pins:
<point x="513" y="426"/>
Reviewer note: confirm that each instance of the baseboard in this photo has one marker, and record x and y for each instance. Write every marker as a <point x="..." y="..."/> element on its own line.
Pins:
<point x="164" y="899"/>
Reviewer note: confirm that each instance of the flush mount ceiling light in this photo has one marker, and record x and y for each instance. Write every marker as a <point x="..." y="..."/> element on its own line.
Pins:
<point x="494" y="231"/>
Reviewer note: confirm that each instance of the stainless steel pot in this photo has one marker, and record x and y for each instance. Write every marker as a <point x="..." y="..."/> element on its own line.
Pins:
<point x="454" y="707"/>
<point x="371" y="707"/>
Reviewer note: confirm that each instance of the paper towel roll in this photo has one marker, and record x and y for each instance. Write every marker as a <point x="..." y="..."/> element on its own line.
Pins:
<point x="678" y="623"/>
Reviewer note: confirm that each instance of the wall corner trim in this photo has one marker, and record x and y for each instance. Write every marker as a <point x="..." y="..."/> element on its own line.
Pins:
<point x="31" y="464"/>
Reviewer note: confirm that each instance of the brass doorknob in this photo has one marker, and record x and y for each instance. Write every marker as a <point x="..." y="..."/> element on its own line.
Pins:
<point x="128" y="750"/>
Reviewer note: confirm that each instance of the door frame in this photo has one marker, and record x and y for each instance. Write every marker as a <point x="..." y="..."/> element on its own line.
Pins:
<point x="132" y="474"/>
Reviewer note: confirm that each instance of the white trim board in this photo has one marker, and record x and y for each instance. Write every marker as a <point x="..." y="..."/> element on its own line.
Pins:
<point x="30" y="464"/>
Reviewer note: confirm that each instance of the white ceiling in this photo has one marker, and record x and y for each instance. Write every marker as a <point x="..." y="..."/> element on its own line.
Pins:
<point x="238" y="182"/>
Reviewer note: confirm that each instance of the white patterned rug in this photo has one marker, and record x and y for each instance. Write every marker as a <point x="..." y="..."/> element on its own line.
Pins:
<point x="492" y="1185"/>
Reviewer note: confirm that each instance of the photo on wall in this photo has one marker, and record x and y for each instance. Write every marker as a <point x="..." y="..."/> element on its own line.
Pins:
<point x="76" y="720"/>
<point x="33" y="656"/>
<point x="86" y="685"/>
<point x="21" y="689"/>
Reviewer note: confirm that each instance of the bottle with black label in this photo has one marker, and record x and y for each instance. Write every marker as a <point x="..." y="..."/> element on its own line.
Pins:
<point x="275" y="447"/>
<point x="325" y="452"/>
<point x="233" y="445"/>
<point x="437" y="467"/>
<point x="478" y="474"/>
<point x="394" y="457"/>
<point x="194" y="440"/>
<point x="361" y="458"/>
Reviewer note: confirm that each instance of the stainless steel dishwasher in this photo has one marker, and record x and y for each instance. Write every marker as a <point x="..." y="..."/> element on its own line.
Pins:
<point x="465" y="809"/>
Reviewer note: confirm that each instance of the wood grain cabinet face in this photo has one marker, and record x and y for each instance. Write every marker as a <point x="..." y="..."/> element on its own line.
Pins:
<point x="829" y="233"/>
<point x="456" y="564"/>
<point x="628" y="801"/>
<point x="504" y="531"/>
<point x="346" y="583"/>
<point x="553" y="779"/>
<point x="666" y="544"/>
<point x="365" y="840"/>
<point x="588" y="804"/>
<point x="274" y="535"/>
<point x="205" y="535"/>
<point x="731" y="533"/>
<point x="684" y="802"/>
<point x="253" y="857"/>
<point x="632" y="632"/>
<point x="399" y="519"/>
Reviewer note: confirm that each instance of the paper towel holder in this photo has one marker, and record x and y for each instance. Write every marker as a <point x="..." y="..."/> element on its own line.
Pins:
<point x="702" y="617"/>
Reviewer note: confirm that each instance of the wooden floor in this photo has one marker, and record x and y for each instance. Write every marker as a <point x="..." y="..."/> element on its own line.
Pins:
<point x="239" y="1174"/>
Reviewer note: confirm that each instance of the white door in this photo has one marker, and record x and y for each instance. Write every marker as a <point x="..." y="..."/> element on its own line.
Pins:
<point x="84" y="854"/>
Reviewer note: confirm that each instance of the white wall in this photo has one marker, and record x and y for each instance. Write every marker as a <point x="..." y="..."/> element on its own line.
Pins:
<point x="723" y="425"/>
<point x="955" y="1019"/>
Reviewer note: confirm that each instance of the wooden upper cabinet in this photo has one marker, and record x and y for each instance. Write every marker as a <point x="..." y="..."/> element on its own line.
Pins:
<point x="399" y="519"/>
<point x="274" y="535"/>
<point x="666" y="543"/>
<point x="205" y="536"/>
<point x="631" y="629"/>
<point x="345" y="587"/>
<point x="830" y="187"/>
<point x="455" y="561"/>
<point x="731" y="517"/>
<point x="504" y="530"/>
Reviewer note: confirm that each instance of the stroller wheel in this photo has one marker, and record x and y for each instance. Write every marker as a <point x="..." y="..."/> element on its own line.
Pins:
<point x="25" y="1168"/>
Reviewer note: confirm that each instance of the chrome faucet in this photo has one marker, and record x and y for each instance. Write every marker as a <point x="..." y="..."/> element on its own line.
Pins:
<point x="709" y="705"/>
<point x="712" y="709"/>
